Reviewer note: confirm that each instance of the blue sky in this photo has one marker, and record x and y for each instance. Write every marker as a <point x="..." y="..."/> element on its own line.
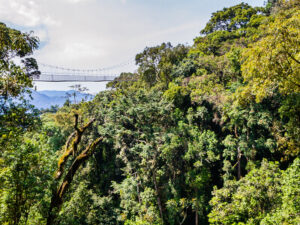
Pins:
<point x="87" y="34"/>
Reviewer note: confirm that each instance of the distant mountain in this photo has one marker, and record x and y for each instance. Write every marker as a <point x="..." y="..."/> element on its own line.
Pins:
<point x="45" y="99"/>
<point x="51" y="93"/>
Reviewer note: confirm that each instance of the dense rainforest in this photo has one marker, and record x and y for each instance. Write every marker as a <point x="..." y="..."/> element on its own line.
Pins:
<point x="200" y="134"/>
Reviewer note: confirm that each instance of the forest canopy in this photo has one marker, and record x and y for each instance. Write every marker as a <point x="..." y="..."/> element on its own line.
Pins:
<point x="200" y="134"/>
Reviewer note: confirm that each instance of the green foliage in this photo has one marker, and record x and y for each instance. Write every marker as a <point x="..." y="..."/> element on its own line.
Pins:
<point x="213" y="43"/>
<point x="230" y="19"/>
<point x="288" y="211"/>
<point x="156" y="63"/>
<point x="178" y="94"/>
<point x="270" y="5"/>
<point x="289" y="112"/>
<point x="207" y="134"/>
<point x="26" y="169"/>
<point x="124" y="81"/>
<point x="87" y="207"/>
<point x="14" y="44"/>
<point x="207" y="88"/>
<point x="273" y="63"/>
<point x="15" y="115"/>
<point x="264" y="196"/>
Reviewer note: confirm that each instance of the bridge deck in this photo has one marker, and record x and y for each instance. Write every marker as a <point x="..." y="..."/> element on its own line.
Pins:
<point x="73" y="78"/>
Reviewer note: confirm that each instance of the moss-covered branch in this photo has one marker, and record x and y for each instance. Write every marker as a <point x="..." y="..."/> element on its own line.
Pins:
<point x="71" y="145"/>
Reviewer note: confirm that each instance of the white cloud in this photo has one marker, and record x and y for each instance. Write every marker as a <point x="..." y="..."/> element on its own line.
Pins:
<point x="25" y="13"/>
<point x="77" y="1"/>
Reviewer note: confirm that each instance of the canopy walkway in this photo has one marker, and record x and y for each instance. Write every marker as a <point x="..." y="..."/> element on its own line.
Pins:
<point x="50" y="73"/>
<point x="49" y="77"/>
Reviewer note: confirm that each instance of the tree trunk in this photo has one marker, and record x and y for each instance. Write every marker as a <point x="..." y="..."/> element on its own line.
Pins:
<point x="57" y="198"/>
<point x="239" y="155"/>
<point x="138" y="189"/>
<point x="196" y="209"/>
<point x="239" y="163"/>
<point x="158" y="197"/>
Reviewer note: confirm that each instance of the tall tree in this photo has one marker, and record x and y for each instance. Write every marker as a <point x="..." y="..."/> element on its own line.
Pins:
<point x="16" y="71"/>
<point x="21" y="174"/>
<point x="156" y="63"/>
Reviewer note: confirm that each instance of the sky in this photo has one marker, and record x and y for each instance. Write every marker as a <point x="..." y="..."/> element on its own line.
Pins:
<point x="92" y="34"/>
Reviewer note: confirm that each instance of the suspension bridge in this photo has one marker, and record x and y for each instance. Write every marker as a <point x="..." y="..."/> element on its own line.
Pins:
<point x="51" y="73"/>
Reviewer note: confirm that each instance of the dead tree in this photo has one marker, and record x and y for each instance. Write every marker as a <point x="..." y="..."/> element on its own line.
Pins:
<point x="71" y="148"/>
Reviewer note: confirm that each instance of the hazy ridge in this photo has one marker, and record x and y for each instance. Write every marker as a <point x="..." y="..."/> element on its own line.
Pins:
<point x="46" y="99"/>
